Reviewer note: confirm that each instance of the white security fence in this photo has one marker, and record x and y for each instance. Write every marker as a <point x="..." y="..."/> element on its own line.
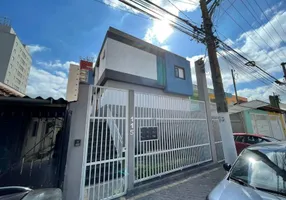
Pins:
<point x="170" y="134"/>
<point x="105" y="167"/>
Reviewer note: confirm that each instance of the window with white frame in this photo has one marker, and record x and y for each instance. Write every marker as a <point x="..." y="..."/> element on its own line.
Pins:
<point x="179" y="72"/>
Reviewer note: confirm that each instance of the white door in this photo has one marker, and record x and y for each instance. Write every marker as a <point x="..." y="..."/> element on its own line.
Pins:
<point x="276" y="128"/>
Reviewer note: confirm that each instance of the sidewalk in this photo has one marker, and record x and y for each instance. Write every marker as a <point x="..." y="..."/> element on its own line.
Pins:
<point x="195" y="187"/>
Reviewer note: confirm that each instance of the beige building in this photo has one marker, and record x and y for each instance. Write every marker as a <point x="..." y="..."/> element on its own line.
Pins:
<point x="73" y="83"/>
<point x="15" y="60"/>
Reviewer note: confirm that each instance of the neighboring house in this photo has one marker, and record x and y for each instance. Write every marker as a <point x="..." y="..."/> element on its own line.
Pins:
<point x="231" y="99"/>
<point x="15" y="59"/>
<point x="34" y="136"/>
<point x="258" y="117"/>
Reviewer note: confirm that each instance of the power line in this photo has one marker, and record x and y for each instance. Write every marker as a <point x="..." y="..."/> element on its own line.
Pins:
<point x="238" y="65"/>
<point x="261" y="25"/>
<point x="257" y="71"/>
<point x="268" y="20"/>
<point x="185" y="26"/>
<point x="181" y="11"/>
<point x="276" y="17"/>
<point x="187" y="2"/>
<point x="130" y="12"/>
<point x="248" y="35"/>
<point x="181" y="24"/>
<point x="253" y="29"/>
<point x="227" y="9"/>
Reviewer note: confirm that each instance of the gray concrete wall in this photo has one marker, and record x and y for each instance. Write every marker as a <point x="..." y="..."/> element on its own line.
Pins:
<point x="7" y="42"/>
<point x="75" y="155"/>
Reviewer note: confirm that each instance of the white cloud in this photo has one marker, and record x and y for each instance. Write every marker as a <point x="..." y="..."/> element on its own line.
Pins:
<point x="261" y="93"/>
<point x="34" y="48"/>
<point x="161" y="30"/>
<point x="117" y="4"/>
<point x="258" y="39"/>
<point x="229" y="42"/>
<point x="262" y="56"/>
<point x="272" y="11"/>
<point x="45" y="84"/>
<point x="61" y="74"/>
<point x="57" y="64"/>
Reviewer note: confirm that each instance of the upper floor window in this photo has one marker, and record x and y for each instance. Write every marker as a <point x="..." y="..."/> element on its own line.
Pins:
<point x="179" y="72"/>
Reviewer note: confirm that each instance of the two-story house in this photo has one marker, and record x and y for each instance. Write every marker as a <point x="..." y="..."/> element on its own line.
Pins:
<point x="130" y="63"/>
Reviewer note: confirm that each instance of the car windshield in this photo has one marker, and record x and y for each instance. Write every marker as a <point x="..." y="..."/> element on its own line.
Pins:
<point x="261" y="169"/>
<point x="271" y="139"/>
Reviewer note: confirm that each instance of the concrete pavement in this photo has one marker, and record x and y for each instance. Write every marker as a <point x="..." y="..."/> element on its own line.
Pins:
<point x="195" y="187"/>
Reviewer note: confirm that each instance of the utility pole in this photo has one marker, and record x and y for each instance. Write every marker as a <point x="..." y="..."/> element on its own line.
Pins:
<point x="284" y="69"/>
<point x="224" y="119"/>
<point x="234" y="85"/>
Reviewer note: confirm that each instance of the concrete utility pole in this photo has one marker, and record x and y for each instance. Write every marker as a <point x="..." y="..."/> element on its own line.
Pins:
<point x="234" y="85"/>
<point x="224" y="119"/>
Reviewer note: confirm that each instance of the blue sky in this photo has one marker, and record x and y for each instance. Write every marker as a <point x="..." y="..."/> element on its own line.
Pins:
<point x="59" y="32"/>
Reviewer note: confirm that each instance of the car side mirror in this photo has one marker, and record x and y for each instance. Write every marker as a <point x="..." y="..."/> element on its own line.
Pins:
<point x="226" y="166"/>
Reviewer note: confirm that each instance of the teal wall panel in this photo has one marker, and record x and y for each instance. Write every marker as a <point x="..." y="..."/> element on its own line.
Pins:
<point x="161" y="71"/>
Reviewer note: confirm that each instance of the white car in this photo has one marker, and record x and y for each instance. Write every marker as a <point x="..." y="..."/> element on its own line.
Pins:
<point x="259" y="173"/>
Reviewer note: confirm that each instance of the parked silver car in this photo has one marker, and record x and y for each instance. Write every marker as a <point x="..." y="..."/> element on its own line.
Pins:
<point x="24" y="193"/>
<point x="258" y="173"/>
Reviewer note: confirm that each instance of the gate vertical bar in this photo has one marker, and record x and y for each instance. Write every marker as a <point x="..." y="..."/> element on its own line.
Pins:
<point x="131" y="141"/>
<point x="203" y="96"/>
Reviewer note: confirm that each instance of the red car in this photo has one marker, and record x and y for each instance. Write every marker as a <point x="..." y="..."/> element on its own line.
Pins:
<point x="243" y="140"/>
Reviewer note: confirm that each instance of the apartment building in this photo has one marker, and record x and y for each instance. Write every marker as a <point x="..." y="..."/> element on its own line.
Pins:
<point x="82" y="73"/>
<point x="73" y="83"/>
<point x="15" y="60"/>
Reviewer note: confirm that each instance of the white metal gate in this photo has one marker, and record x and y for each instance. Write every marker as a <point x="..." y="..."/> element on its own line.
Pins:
<point x="276" y="127"/>
<point x="106" y="154"/>
<point x="261" y="124"/>
<point x="170" y="134"/>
